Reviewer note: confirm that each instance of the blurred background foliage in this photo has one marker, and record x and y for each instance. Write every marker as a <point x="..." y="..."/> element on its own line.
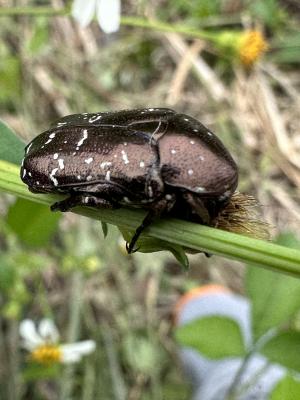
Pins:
<point x="60" y="266"/>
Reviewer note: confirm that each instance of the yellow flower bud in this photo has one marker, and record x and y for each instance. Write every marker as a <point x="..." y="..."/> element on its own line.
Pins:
<point x="252" y="45"/>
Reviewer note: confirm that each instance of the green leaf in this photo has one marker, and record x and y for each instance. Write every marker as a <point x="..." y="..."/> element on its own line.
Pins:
<point x="275" y="298"/>
<point x="104" y="227"/>
<point x="11" y="146"/>
<point x="146" y="244"/>
<point x="287" y="389"/>
<point x="284" y="349"/>
<point x="214" y="337"/>
<point x="33" y="223"/>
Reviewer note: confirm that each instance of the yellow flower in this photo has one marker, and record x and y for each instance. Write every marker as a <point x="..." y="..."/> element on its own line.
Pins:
<point x="252" y="45"/>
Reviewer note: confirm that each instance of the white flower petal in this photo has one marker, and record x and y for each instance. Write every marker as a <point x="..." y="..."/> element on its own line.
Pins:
<point x="48" y="330"/>
<point x="72" y="352"/>
<point x="70" y="358"/>
<point x="83" y="11"/>
<point x="109" y="14"/>
<point x="29" y="334"/>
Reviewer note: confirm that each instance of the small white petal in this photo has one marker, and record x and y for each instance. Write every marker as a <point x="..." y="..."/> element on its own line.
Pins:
<point x="48" y="330"/>
<point x="72" y="352"/>
<point x="84" y="10"/>
<point x="108" y="15"/>
<point x="29" y="334"/>
<point x="70" y="358"/>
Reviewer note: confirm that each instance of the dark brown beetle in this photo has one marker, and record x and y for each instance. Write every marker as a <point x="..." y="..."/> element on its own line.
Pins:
<point x="156" y="159"/>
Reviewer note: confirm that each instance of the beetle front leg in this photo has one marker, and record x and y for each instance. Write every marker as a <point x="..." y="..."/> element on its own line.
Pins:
<point x="198" y="206"/>
<point x="82" y="200"/>
<point x="163" y="205"/>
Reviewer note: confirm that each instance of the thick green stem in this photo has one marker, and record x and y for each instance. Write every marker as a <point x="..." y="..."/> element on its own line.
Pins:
<point x="189" y="235"/>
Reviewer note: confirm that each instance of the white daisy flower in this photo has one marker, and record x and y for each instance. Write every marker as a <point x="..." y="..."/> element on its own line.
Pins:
<point x="108" y="13"/>
<point x="43" y="343"/>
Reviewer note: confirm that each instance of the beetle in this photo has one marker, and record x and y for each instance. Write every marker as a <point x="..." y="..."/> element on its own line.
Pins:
<point x="156" y="159"/>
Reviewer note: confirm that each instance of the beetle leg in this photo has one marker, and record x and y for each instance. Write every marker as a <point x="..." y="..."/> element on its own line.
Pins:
<point x="197" y="205"/>
<point x="81" y="200"/>
<point x="163" y="205"/>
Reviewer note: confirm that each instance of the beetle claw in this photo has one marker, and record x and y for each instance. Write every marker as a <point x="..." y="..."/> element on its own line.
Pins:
<point x="130" y="249"/>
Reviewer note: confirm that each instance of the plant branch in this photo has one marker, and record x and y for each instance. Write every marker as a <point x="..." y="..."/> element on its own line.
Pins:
<point x="131" y="21"/>
<point x="186" y="234"/>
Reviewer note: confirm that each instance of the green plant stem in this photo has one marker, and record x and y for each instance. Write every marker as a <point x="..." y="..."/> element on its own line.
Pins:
<point x="131" y="21"/>
<point x="187" y="234"/>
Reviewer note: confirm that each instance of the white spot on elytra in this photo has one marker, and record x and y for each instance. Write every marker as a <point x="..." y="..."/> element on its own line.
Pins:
<point x="94" y="118"/>
<point x="86" y="200"/>
<point x="173" y="151"/>
<point x="89" y="160"/>
<point x="52" y="135"/>
<point x="209" y="133"/>
<point x="168" y="196"/>
<point x="105" y="164"/>
<point x="115" y="156"/>
<point x="200" y="189"/>
<point x="126" y="199"/>
<point x="65" y="141"/>
<point x="107" y="176"/>
<point x="53" y="179"/>
<point x="124" y="156"/>
<point x="125" y="143"/>
<point x="201" y="158"/>
<point x="142" y="164"/>
<point x="61" y="163"/>
<point x="192" y="142"/>
<point x="24" y="172"/>
<point x="89" y="178"/>
<point x="74" y="153"/>
<point x="150" y="191"/>
<point x="55" y="156"/>
<point x="195" y="130"/>
<point x="48" y="141"/>
<point x="190" y="172"/>
<point x="28" y="148"/>
<point x="29" y="173"/>
<point x="84" y="137"/>
<point x="185" y="119"/>
<point x="151" y="109"/>
<point x="78" y="177"/>
<point x="37" y="182"/>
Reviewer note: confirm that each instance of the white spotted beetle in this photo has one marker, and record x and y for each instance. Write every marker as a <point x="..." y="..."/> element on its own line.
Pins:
<point x="153" y="158"/>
